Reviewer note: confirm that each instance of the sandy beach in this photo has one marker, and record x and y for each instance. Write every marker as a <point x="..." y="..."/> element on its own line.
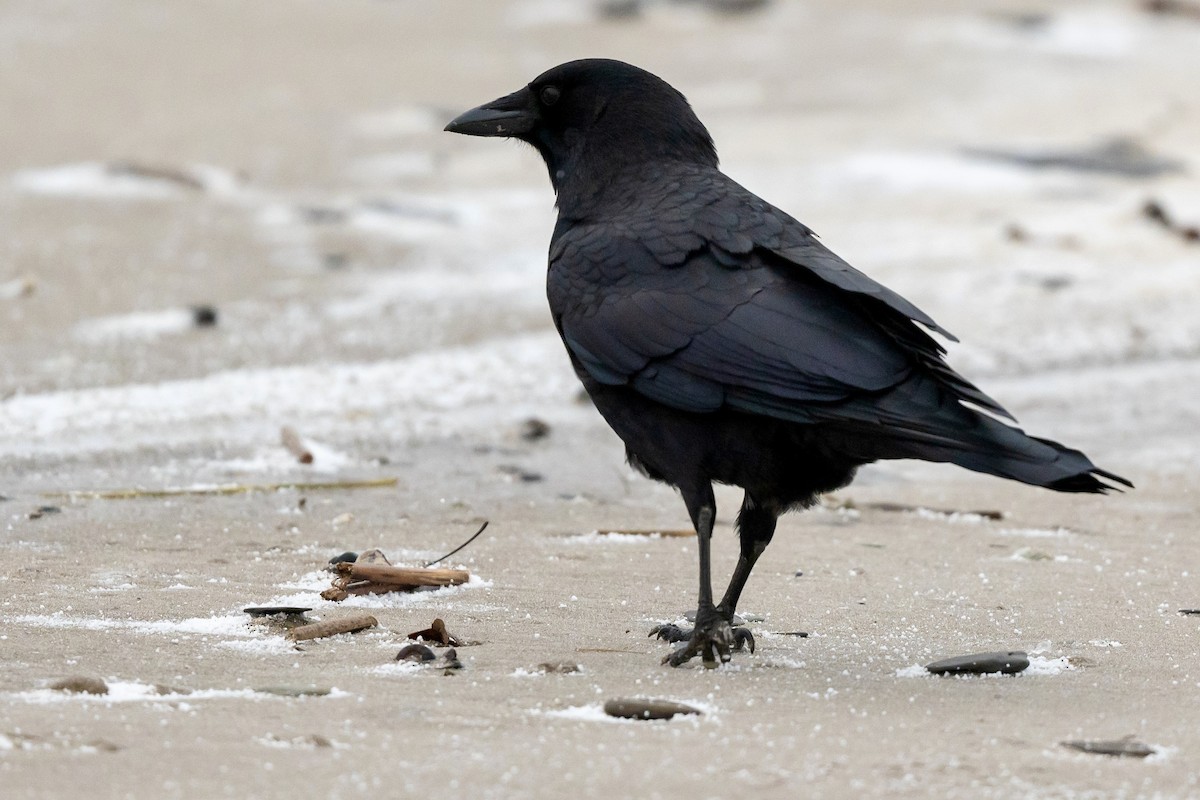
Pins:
<point x="219" y="220"/>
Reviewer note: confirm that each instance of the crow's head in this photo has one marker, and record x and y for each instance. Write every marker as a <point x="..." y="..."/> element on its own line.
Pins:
<point x="594" y="118"/>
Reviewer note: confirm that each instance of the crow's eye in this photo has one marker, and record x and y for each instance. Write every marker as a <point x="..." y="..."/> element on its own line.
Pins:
<point x="550" y="95"/>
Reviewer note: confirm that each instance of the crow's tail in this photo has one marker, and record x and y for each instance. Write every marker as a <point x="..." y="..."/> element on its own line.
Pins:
<point x="920" y="420"/>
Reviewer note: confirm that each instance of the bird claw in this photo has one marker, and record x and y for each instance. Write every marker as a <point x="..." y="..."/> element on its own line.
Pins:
<point x="670" y="633"/>
<point x="713" y="643"/>
<point x="743" y="639"/>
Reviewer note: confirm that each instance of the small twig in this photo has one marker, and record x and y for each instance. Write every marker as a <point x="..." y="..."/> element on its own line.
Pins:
<point x="402" y="576"/>
<point x="226" y="489"/>
<point x="291" y="440"/>
<point x="665" y="533"/>
<point x="1158" y="214"/>
<point x="333" y="627"/>
<point x="482" y="528"/>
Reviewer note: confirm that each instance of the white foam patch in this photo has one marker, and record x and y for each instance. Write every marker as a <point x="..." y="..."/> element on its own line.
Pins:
<point x="21" y="743"/>
<point x="908" y="171"/>
<point x="1036" y="533"/>
<point x="120" y="587"/>
<point x="92" y="179"/>
<point x="266" y="646"/>
<point x="1032" y="554"/>
<point x="401" y="668"/>
<point x="523" y="672"/>
<point x="136" y="692"/>
<point x="431" y="393"/>
<point x="143" y="325"/>
<point x="274" y="459"/>
<point x="207" y="626"/>
<point x="246" y="638"/>
<point x="385" y="292"/>
<point x="914" y="671"/>
<point x="953" y="517"/>
<point x="596" y="537"/>
<point x="1161" y="753"/>
<point x="399" y="223"/>
<point x="1092" y="33"/>
<point x="1042" y="666"/>
<point x="299" y="743"/>
<point x="593" y="712"/>
<point x="1105" y="643"/>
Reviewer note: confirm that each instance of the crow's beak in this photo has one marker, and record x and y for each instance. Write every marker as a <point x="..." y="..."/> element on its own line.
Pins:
<point x="513" y="115"/>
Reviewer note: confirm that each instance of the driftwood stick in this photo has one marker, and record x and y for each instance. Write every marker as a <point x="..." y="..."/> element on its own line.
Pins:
<point x="295" y="445"/>
<point x="665" y="533"/>
<point x="403" y="576"/>
<point x="235" y="488"/>
<point x="332" y="627"/>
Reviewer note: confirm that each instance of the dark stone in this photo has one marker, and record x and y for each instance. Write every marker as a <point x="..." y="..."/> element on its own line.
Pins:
<point x="346" y="557"/>
<point x="1008" y="663"/>
<point x="415" y="652"/>
<point x="80" y="684"/>
<point x="533" y="429"/>
<point x="1127" y="747"/>
<point x="204" y="316"/>
<point x="641" y="708"/>
<point x="270" y="611"/>
<point x="294" y="691"/>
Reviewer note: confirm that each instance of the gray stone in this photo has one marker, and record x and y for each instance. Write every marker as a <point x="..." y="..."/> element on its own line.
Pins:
<point x="1008" y="663"/>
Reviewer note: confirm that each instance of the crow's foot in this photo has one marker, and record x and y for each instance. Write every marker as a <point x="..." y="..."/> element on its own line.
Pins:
<point x="743" y="639"/>
<point x="714" y="643"/>
<point x="671" y="633"/>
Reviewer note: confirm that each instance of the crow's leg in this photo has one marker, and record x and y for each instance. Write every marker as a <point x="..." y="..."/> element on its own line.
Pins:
<point x="756" y="526"/>
<point x="712" y="638"/>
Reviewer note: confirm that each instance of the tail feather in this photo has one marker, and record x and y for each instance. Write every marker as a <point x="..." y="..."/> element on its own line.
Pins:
<point x="919" y="420"/>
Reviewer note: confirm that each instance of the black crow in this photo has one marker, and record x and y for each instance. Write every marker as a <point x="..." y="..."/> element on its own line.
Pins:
<point x="722" y="341"/>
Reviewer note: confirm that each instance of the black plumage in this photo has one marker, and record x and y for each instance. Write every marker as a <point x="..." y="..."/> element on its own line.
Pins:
<point x="721" y="340"/>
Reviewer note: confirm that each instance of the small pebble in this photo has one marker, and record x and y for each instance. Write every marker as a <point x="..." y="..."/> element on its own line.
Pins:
<point x="533" y="429"/>
<point x="1008" y="663"/>
<point x="562" y="667"/>
<point x="450" y="661"/>
<point x="204" y="316"/>
<point x="1127" y="747"/>
<point x="270" y="611"/>
<point x="294" y="691"/>
<point x="416" y="652"/>
<point x="42" y="511"/>
<point x="80" y="685"/>
<point x="641" y="708"/>
<point x="347" y="557"/>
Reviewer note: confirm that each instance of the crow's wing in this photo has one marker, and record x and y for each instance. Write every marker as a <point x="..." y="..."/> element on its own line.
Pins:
<point x="700" y="335"/>
<point x="684" y="208"/>
<point x="718" y="299"/>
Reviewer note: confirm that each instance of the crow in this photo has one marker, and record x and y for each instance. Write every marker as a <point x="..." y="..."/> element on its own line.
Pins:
<point x="723" y="342"/>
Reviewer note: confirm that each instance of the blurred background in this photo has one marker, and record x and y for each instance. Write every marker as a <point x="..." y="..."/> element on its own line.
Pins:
<point x="221" y="217"/>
